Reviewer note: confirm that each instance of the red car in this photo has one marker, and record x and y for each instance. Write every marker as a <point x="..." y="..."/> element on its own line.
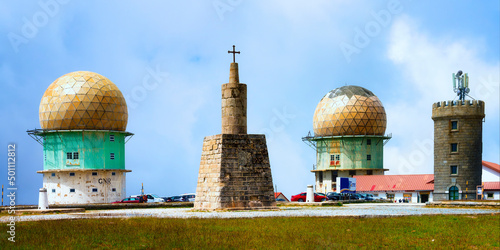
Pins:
<point x="129" y="200"/>
<point x="302" y="197"/>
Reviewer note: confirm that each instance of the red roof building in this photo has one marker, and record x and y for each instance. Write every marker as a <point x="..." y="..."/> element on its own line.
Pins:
<point x="280" y="195"/>
<point x="392" y="183"/>
<point x="492" y="186"/>
<point x="493" y="166"/>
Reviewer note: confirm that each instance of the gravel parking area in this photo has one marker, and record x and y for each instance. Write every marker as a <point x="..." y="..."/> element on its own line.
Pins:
<point x="354" y="210"/>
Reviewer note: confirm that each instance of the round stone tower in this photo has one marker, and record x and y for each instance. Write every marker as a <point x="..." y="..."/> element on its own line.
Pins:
<point x="234" y="104"/>
<point x="458" y="132"/>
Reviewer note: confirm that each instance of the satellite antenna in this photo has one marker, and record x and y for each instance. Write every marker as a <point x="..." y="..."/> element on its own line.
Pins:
<point x="461" y="84"/>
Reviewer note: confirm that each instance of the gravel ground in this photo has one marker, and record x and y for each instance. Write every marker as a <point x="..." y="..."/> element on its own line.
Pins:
<point x="355" y="210"/>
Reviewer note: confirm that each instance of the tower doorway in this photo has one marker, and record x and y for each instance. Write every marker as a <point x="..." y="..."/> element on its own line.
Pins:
<point x="453" y="193"/>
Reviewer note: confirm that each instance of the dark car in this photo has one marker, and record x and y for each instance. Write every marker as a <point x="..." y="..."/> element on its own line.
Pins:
<point x="129" y="200"/>
<point x="177" y="198"/>
<point x="302" y="197"/>
<point x="356" y="196"/>
<point x="367" y="197"/>
<point x="333" y="196"/>
<point x="349" y="196"/>
<point x="167" y="199"/>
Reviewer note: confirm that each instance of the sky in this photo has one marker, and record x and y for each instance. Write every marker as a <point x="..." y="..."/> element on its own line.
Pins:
<point x="169" y="59"/>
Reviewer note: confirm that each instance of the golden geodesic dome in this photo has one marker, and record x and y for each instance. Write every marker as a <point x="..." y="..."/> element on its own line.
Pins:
<point x="349" y="110"/>
<point x="83" y="100"/>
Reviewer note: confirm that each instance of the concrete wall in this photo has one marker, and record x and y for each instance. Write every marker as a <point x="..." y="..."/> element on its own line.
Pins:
<point x="490" y="175"/>
<point x="496" y="195"/>
<point x="468" y="137"/>
<point x="400" y="195"/>
<point x="329" y="178"/>
<point x="94" y="148"/>
<point x="83" y="182"/>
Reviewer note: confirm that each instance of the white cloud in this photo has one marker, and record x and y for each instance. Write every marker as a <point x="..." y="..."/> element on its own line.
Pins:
<point x="426" y="63"/>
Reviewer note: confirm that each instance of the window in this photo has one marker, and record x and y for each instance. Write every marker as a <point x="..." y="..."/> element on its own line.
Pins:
<point x="454" y="170"/>
<point x="71" y="190"/>
<point x="320" y="177"/>
<point x="369" y="142"/>
<point x="390" y="196"/>
<point x="53" y="190"/>
<point x="94" y="173"/>
<point x="113" y="190"/>
<point x="369" y="172"/>
<point x="53" y="174"/>
<point x="337" y="157"/>
<point x="94" y="190"/>
<point x="71" y="174"/>
<point x="454" y="147"/>
<point x="368" y="157"/>
<point x="112" y="156"/>
<point x="352" y="172"/>
<point x="454" y="125"/>
<point x="72" y="159"/>
<point x="332" y="157"/>
<point x="113" y="173"/>
<point x="489" y="195"/>
<point x="111" y="137"/>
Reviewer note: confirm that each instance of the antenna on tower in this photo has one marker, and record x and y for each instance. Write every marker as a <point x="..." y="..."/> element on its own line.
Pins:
<point x="461" y="84"/>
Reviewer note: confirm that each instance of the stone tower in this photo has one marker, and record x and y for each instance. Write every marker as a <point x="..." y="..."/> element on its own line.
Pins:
<point x="234" y="104"/>
<point x="458" y="132"/>
<point x="234" y="169"/>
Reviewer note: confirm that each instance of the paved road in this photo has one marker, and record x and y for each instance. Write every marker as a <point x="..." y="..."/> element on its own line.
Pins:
<point x="354" y="210"/>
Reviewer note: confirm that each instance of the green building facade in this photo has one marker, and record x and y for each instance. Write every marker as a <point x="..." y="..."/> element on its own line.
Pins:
<point x="84" y="149"/>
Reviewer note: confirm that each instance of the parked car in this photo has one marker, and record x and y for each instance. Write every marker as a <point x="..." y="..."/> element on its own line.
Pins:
<point x="177" y="198"/>
<point x="128" y="200"/>
<point x="369" y="197"/>
<point x="188" y="197"/>
<point x="334" y="196"/>
<point x="302" y="197"/>
<point x="167" y="199"/>
<point x="152" y="198"/>
<point x="349" y="196"/>
<point x="355" y="196"/>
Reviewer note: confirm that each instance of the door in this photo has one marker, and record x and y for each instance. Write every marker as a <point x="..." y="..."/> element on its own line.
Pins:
<point x="453" y="193"/>
<point x="424" y="198"/>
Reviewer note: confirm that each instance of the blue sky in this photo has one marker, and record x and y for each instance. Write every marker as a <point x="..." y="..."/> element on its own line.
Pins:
<point x="169" y="59"/>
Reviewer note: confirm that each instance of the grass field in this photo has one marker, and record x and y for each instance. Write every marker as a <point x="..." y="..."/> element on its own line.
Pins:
<point x="475" y="232"/>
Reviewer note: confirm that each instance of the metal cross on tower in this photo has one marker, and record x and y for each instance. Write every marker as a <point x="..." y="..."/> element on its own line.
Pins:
<point x="234" y="53"/>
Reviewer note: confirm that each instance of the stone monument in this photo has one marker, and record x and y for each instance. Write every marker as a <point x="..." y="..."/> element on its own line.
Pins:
<point x="234" y="170"/>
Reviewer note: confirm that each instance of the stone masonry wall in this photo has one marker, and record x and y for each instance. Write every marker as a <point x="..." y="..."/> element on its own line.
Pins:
<point x="468" y="158"/>
<point x="234" y="173"/>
